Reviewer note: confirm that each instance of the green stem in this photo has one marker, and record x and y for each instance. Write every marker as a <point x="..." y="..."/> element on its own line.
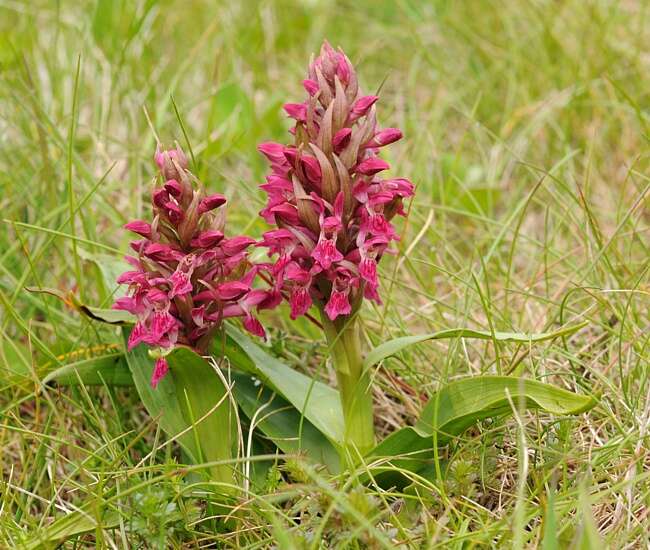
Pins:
<point x="354" y="385"/>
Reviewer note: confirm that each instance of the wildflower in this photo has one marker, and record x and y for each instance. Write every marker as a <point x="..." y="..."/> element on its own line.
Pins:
<point x="326" y="195"/>
<point x="188" y="276"/>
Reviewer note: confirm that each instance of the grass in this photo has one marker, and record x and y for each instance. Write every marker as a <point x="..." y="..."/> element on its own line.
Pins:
<point x="527" y="129"/>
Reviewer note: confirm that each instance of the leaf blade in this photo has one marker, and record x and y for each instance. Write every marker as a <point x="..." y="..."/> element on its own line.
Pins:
<point x="392" y="347"/>
<point x="463" y="402"/>
<point x="208" y="432"/>
<point x="460" y="404"/>
<point x="319" y="403"/>
<point x="281" y="422"/>
<point x="110" y="369"/>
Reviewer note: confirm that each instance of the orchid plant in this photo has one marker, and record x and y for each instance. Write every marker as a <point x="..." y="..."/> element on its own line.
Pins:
<point x="332" y="211"/>
<point x="332" y="214"/>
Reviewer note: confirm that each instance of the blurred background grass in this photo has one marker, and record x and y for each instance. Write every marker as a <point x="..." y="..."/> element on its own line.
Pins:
<point x="526" y="132"/>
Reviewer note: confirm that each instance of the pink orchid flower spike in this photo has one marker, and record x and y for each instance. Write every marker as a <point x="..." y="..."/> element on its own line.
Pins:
<point x="188" y="276"/>
<point x="327" y="196"/>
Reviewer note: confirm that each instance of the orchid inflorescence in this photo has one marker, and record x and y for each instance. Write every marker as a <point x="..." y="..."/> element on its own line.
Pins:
<point x="331" y="208"/>
<point x="187" y="275"/>
<point x="332" y="215"/>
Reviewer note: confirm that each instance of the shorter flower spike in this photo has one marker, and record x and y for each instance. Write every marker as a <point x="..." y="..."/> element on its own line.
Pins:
<point x="332" y="209"/>
<point x="187" y="276"/>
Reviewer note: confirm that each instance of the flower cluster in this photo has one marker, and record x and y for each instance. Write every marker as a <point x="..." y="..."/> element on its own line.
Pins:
<point x="187" y="276"/>
<point x="331" y="208"/>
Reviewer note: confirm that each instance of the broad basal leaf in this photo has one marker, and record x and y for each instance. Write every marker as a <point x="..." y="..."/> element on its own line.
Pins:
<point x="319" y="403"/>
<point x="462" y="403"/>
<point x="392" y="347"/>
<point x="459" y="405"/>
<point x="110" y="369"/>
<point x="282" y="423"/>
<point x="187" y="398"/>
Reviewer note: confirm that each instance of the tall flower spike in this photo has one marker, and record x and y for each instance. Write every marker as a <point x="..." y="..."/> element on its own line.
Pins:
<point x="188" y="277"/>
<point x="326" y="195"/>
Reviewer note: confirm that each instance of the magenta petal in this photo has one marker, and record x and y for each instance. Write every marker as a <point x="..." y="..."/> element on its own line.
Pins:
<point x="294" y="272"/>
<point x="300" y="302"/>
<point x="341" y="139"/>
<point x="385" y="137"/>
<point x="338" y="305"/>
<point x="235" y="245"/>
<point x="311" y="86"/>
<point x="253" y="326"/>
<point x="160" y="369"/>
<point x="211" y="202"/>
<point x="126" y="303"/>
<point x="174" y="212"/>
<point x="160" y="197"/>
<point x="207" y="239"/>
<point x="140" y="227"/>
<point x="368" y="270"/>
<point x="198" y="315"/>
<point x="297" y="111"/>
<point x="371" y="166"/>
<point x="343" y="69"/>
<point x="312" y="168"/>
<point x="362" y="105"/>
<point x="181" y="284"/>
<point x="326" y="253"/>
<point x="231" y="290"/>
<point x="162" y="325"/>
<point x="370" y="292"/>
<point x="138" y="334"/>
<point x="161" y="252"/>
<point x="272" y="151"/>
<point x="399" y="186"/>
<point x="173" y="188"/>
<point x="132" y="277"/>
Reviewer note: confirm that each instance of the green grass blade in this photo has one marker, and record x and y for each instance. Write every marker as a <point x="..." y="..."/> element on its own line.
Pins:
<point x="75" y="523"/>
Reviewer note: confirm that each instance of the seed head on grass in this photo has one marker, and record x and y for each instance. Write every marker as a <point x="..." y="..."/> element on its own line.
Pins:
<point x="187" y="275"/>
<point x="331" y="208"/>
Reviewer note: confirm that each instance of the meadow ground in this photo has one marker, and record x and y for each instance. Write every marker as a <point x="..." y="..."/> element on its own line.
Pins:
<point x="526" y="131"/>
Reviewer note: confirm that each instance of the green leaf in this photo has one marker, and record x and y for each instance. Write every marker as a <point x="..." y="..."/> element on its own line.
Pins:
<point x="110" y="267"/>
<point x="462" y="403"/>
<point x="75" y="523"/>
<point x="104" y="315"/>
<point x="282" y="423"/>
<point x="319" y="403"/>
<point x="110" y="316"/>
<point x="108" y="369"/>
<point x="404" y="451"/>
<point x="392" y="347"/>
<point x="188" y="393"/>
<point x="278" y="420"/>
